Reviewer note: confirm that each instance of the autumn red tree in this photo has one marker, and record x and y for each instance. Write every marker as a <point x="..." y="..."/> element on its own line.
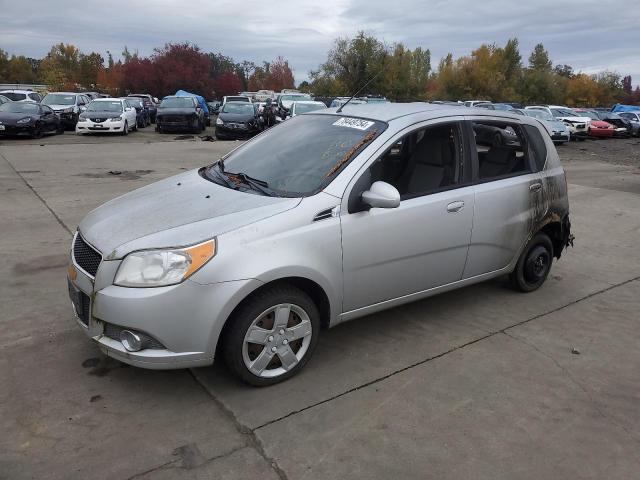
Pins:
<point x="280" y="75"/>
<point x="180" y="66"/>
<point x="227" y="84"/>
<point x="139" y="75"/>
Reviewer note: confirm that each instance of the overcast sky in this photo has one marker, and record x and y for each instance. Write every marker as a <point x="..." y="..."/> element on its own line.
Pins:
<point x="590" y="35"/>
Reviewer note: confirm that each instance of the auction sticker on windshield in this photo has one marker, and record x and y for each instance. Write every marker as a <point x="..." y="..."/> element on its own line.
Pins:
<point x="353" y="123"/>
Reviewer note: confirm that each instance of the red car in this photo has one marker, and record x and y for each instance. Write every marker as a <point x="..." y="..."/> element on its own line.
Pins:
<point x="597" y="127"/>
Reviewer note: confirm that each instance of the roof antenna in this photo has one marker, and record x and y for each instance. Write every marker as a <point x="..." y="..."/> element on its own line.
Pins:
<point x="361" y="88"/>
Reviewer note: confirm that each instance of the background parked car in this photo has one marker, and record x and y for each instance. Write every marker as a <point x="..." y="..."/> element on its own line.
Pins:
<point x="143" y="118"/>
<point x="180" y="113"/>
<point x="597" y="128"/>
<point x="304" y="106"/>
<point x="67" y="105"/>
<point x="623" y="126"/>
<point x="634" y="119"/>
<point x="237" y="120"/>
<point x="22" y="95"/>
<point x="149" y="102"/>
<point x="578" y="125"/>
<point x="28" y="118"/>
<point x="558" y="130"/>
<point x="214" y="107"/>
<point x="108" y="115"/>
<point x="235" y="98"/>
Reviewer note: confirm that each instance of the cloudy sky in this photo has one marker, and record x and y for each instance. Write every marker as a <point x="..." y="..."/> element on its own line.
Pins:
<point x="590" y="35"/>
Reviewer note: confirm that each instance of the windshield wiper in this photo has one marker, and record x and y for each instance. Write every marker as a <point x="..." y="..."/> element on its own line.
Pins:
<point x="255" y="183"/>
<point x="221" y="176"/>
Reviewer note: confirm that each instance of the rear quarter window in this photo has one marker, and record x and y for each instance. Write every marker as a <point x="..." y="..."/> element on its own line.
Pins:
<point x="537" y="146"/>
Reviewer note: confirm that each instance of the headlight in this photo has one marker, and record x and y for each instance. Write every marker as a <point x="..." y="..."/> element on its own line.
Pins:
<point x="24" y="120"/>
<point x="219" y="122"/>
<point x="159" y="268"/>
<point x="115" y="119"/>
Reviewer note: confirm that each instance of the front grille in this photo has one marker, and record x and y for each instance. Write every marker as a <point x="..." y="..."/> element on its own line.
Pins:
<point x="85" y="256"/>
<point x="174" y="118"/>
<point x="97" y="120"/>
<point x="113" y="331"/>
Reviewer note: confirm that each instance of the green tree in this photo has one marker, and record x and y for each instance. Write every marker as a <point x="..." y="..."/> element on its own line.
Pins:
<point x="539" y="59"/>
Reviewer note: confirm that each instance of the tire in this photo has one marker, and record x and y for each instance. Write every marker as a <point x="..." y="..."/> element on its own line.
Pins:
<point x="37" y="132"/>
<point x="60" y="130"/>
<point x="294" y="342"/>
<point x="533" y="265"/>
<point x="125" y="130"/>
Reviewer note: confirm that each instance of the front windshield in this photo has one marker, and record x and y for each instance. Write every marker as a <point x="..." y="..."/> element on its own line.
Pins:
<point x="540" y="114"/>
<point x="591" y="115"/>
<point x="59" y="99"/>
<point x="308" y="107"/>
<point x="563" y="113"/>
<point x="241" y="108"/>
<point x="502" y="106"/>
<point x="293" y="98"/>
<point x="177" y="102"/>
<point x="19" y="107"/>
<point x="104" y="106"/>
<point x="302" y="155"/>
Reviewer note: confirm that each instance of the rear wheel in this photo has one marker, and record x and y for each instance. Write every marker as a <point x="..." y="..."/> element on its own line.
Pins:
<point x="533" y="265"/>
<point x="272" y="335"/>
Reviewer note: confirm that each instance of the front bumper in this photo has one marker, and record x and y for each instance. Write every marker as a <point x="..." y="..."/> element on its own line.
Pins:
<point x="68" y="119"/>
<point x="27" y="129"/>
<point x="186" y="319"/>
<point x="601" y="132"/>
<point x="223" y="131"/>
<point x="88" y="126"/>
<point x="561" y="136"/>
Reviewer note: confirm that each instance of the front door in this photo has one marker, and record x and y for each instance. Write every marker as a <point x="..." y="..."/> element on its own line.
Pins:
<point x="422" y="244"/>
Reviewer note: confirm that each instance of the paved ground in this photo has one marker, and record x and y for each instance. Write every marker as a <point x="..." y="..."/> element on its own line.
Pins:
<point x="477" y="383"/>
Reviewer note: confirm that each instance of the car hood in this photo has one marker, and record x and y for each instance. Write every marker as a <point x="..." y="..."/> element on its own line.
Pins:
<point x="100" y="114"/>
<point x="57" y="107"/>
<point x="176" y="111"/>
<point x="600" y="124"/>
<point x="181" y="210"/>
<point x="556" y="125"/>
<point x="10" y="118"/>
<point x="577" y="119"/>
<point x="235" y="117"/>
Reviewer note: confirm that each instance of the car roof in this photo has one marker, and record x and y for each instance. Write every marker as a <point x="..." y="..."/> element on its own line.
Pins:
<point x="309" y="102"/>
<point x="65" y="93"/>
<point x="386" y="112"/>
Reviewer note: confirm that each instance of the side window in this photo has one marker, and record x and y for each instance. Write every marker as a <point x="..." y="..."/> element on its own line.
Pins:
<point x="502" y="150"/>
<point x="46" y="110"/>
<point x="34" y="96"/>
<point x="537" y="147"/>
<point x="422" y="162"/>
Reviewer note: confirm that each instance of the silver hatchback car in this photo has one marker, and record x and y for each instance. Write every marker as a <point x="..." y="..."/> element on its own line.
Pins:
<point x="325" y="218"/>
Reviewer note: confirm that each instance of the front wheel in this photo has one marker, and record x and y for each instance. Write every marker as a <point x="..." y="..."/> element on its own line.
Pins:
<point x="272" y="335"/>
<point x="533" y="265"/>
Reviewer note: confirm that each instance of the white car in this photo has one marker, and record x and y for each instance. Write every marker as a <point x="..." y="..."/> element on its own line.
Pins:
<point x="578" y="126"/>
<point x="22" y="95"/>
<point x="305" y="106"/>
<point x="111" y="115"/>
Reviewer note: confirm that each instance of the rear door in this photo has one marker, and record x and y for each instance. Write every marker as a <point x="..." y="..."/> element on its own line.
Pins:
<point x="508" y="193"/>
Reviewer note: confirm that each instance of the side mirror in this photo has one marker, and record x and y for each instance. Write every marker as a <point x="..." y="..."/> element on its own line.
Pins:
<point x="381" y="195"/>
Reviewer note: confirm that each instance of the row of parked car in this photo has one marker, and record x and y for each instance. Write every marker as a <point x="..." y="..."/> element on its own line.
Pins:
<point x="567" y="123"/>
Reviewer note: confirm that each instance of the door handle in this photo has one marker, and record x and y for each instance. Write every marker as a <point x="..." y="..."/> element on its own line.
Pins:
<point x="454" y="207"/>
<point x="534" y="187"/>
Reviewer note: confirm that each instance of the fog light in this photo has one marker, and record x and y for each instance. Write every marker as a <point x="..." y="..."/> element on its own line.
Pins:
<point x="131" y="341"/>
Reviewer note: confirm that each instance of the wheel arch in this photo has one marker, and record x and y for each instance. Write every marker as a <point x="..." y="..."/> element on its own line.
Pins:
<point x="310" y="287"/>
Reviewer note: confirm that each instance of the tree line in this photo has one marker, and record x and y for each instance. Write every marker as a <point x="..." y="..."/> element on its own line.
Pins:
<point x="172" y="67"/>
<point x="491" y="72"/>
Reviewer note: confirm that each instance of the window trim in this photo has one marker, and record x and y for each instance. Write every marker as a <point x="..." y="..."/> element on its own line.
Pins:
<point x="466" y="180"/>
<point x="532" y="169"/>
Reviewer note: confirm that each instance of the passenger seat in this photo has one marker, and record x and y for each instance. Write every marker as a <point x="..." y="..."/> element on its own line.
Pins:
<point x="498" y="161"/>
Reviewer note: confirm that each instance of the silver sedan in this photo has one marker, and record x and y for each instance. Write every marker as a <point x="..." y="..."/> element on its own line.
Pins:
<point x="331" y="216"/>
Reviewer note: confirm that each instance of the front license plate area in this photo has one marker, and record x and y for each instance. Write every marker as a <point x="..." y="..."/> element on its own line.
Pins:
<point x="80" y="303"/>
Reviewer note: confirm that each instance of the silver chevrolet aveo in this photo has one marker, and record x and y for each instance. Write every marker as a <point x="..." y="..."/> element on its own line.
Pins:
<point x="328" y="217"/>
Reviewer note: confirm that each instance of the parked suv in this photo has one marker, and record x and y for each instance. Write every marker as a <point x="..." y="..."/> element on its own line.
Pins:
<point x="325" y="218"/>
<point x="22" y="95"/>
<point x="67" y="105"/>
<point x="180" y="113"/>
